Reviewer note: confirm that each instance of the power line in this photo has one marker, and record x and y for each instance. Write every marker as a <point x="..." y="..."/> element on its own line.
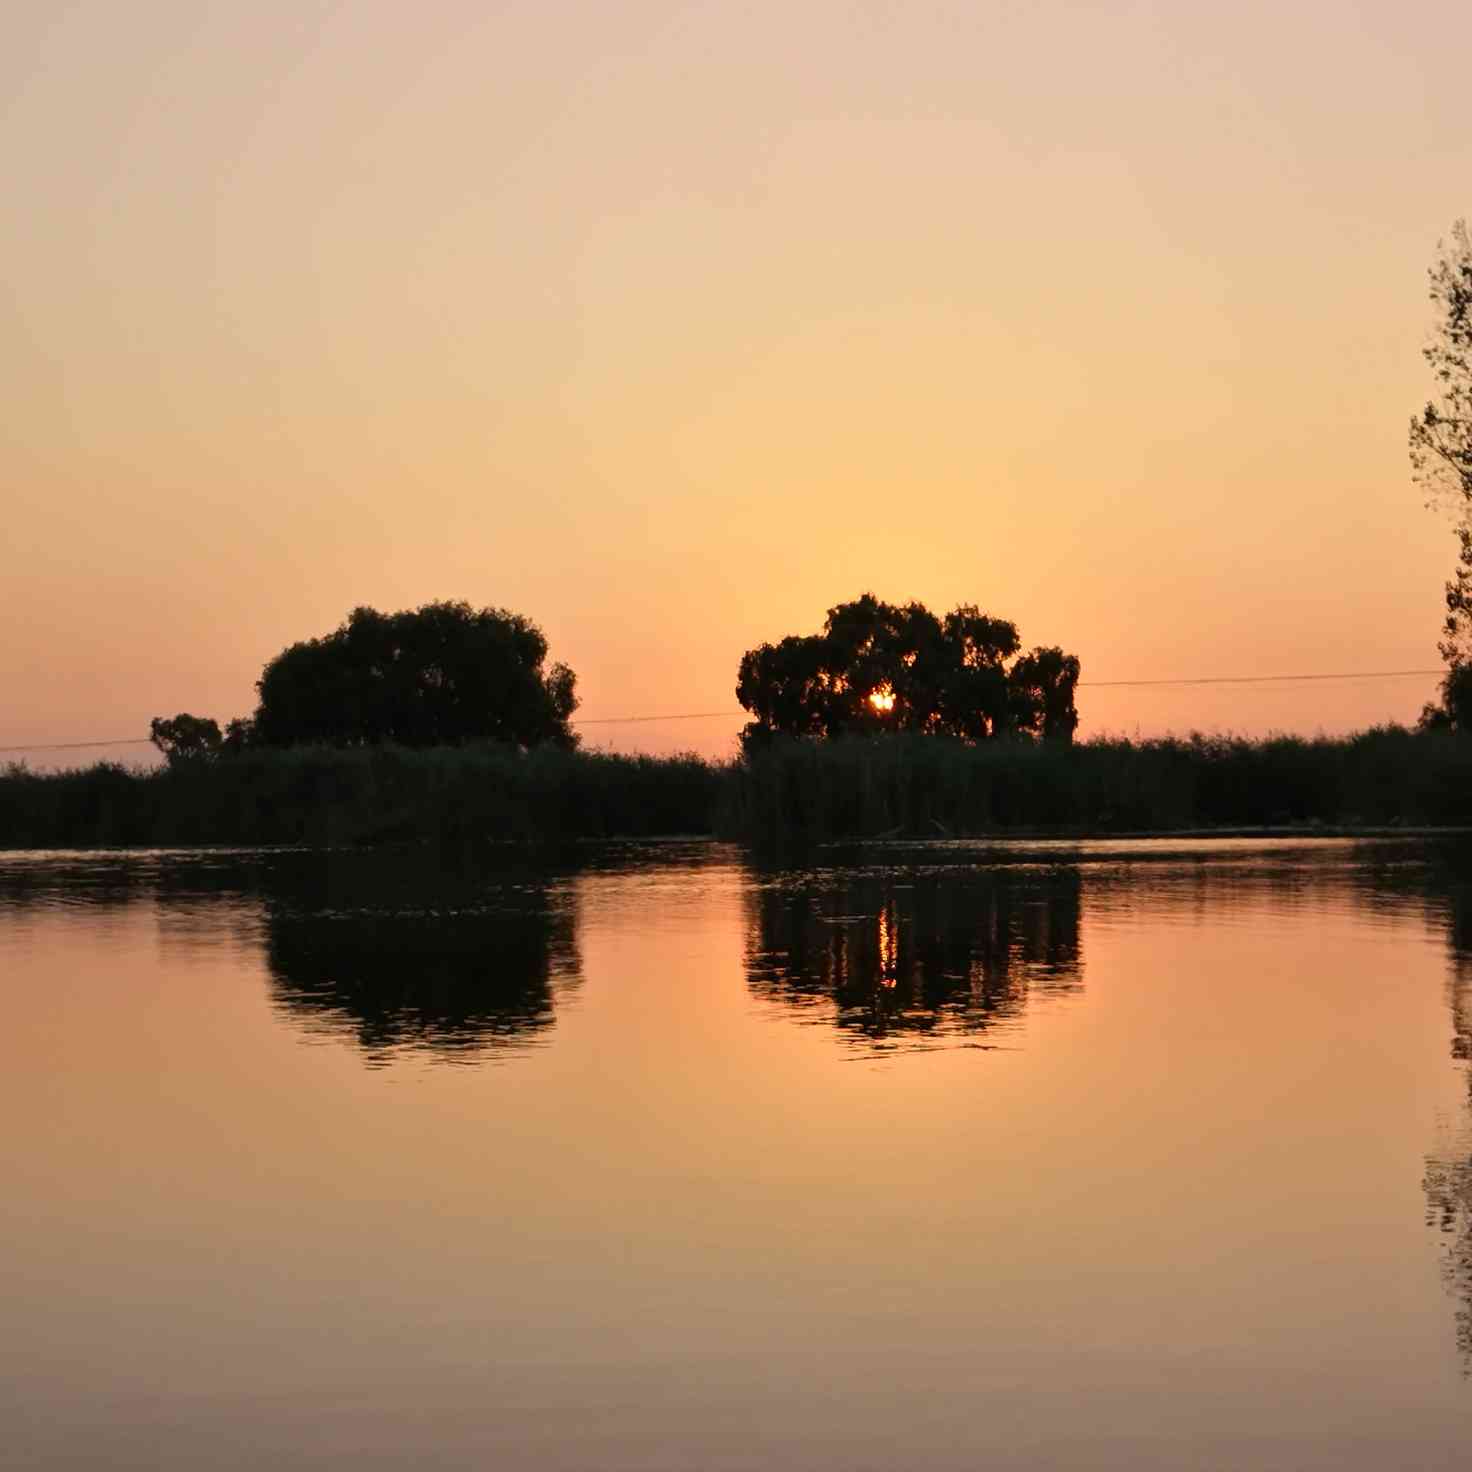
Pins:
<point x="712" y="715"/>
<point x="78" y="745"/>
<point x="1259" y="679"/>
<point x="690" y="715"/>
<point x="702" y="715"/>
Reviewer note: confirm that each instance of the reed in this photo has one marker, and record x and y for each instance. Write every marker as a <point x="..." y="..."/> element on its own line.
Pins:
<point x="923" y="785"/>
<point x="796" y="791"/>
<point x="325" y="795"/>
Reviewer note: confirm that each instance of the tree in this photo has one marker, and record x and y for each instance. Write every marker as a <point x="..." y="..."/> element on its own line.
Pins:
<point x="185" y="738"/>
<point x="1042" y="685"/>
<point x="1441" y="458"/>
<point x="1454" y="711"/>
<point x="888" y="667"/>
<point x="239" y="734"/>
<point x="442" y="674"/>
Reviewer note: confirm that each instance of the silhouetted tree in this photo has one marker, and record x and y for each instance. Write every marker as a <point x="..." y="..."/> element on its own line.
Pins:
<point x="185" y="738"/>
<point x="1042" y="685"/>
<point x="239" y="734"/>
<point x="886" y="667"/>
<point x="1441" y="459"/>
<point x="442" y="674"/>
<point x="1453" y="712"/>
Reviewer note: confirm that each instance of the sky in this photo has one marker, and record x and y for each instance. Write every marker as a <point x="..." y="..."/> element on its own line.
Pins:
<point x="672" y="325"/>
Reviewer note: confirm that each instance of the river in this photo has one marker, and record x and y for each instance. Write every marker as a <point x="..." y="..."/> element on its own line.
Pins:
<point x="1064" y="1155"/>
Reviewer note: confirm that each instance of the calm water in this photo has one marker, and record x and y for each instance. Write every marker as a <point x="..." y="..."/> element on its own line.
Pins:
<point x="1050" y="1156"/>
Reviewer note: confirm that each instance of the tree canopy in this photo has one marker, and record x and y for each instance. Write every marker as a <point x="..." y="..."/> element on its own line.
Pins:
<point x="443" y="674"/>
<point x="185" y="738"/>
<point x="1441" y="458"/>
<point x="887" y="667"/>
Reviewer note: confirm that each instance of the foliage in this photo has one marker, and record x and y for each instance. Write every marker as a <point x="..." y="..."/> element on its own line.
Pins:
<point x="1441" y="455"/>
<point x="880" y="667"/>
<point x="1041" y="686"/>
<point x="443" y="674"/>
<point x="239" y="733"/>
<point x="185" y="738"/>
<point x="1454" y="711"/>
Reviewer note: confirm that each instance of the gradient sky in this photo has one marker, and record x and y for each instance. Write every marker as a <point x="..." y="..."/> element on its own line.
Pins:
<point x="672" y="325"/>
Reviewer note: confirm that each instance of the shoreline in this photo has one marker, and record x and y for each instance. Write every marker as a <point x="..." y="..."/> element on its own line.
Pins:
<point x="906" y="788"/>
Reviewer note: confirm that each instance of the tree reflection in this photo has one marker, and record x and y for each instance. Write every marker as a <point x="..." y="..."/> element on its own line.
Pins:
<point x="1448" y="1180"/>
<point x="944" y="953"/>
<point x="451" y="955"/>
<point x="453" y="962"/>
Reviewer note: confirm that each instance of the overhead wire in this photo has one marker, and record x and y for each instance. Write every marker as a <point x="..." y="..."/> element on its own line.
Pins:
<point x="711" y="715"/>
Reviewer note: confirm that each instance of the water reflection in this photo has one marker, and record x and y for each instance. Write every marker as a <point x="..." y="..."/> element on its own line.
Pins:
<point x="914" y="954"/>
<point x="1448" y="1180"/>
<point x="452" y="956"/>
<point x="1145" y="1183"/>
<point x="467" y="961"/>
<point x="434" y="957"/>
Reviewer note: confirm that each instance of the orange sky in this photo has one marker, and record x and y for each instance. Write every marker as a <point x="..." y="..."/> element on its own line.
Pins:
<point x="671" y="325"/>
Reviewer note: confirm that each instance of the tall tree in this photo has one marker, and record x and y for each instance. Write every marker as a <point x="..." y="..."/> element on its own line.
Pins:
<point x="897" y="667"/>
<point x="442" y="674"/>
<point x="1441" y="453"/>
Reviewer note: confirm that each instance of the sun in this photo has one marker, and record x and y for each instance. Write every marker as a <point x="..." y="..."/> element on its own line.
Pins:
<point x="882" y="699"/>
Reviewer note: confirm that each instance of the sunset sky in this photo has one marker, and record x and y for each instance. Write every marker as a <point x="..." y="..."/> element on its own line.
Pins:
<point x="670" y="326"/>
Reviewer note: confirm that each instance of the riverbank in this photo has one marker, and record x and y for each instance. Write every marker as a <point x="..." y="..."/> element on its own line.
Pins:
<point x="903" y="785"/>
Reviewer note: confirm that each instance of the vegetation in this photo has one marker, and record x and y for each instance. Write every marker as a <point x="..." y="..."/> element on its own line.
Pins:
<point x="916" y="785"/>
<point x="445" y="674"/>
<point x="1441" y="460"/>
<point x="186" y="738"/>
<point x="881" y="667"/>
<point x="334" y="795"/>
<point x="790" y="791"/>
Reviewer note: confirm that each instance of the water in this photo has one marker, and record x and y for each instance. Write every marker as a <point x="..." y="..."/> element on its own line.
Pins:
<point x="1048" y="1156"/>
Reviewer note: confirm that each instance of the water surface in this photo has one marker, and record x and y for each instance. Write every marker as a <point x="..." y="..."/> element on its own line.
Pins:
<point x="1032" y="1156"/>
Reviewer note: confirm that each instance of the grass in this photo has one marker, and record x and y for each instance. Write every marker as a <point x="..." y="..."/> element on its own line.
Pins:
<point x="794" y="791"/>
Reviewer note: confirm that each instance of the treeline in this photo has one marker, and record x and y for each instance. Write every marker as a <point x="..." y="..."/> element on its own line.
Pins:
<point x="447" y="674"/>
<point x="790" y="791"/>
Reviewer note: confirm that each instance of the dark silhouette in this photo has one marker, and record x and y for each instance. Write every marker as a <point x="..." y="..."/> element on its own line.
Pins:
<point x="445" y="674"/>
<point x="1441" y="461"/>
<point x="446" y="954"/>
<point x="436" y="951"/>
<point x="1454" y="712"/>
<point x="440" y="675"/>
<point x="425" y="953"/>
<point x="885" y="667"/>
<point x="954" y="952"/>
<point x="185" y="738"/>
<point x="1448" y="1177"/>
<point x="453" y="983"/>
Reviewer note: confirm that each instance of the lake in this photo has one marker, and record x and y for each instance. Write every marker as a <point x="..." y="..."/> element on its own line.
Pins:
<point x="1148" y="1154"/>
